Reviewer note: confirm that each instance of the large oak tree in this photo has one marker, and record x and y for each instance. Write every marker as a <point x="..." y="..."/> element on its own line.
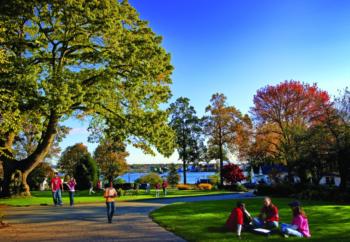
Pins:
<point x="77" y="59"/>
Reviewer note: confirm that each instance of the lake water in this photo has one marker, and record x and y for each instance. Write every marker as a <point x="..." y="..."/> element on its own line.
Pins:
<point x="192" y="177"/>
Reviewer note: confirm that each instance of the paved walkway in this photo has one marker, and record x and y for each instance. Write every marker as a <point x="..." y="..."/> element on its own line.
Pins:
<point x="87" y="222"/>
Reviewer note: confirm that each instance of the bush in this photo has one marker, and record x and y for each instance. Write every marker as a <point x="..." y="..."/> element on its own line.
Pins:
<point x="306" y="192"/>
<point x="205" y="186"/>
<point x="120" y="192"/>
<point x="215" y="179"/>
<point x="232" y="174"/>
<point x="119" y="180"/>
<point x="151" y="178"/>
<point x="279" y="190"/>
<point x="183" y="187"/>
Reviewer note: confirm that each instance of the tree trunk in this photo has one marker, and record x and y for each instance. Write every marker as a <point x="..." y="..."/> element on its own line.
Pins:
<point x="184" y="172"/>
<point x="28" y="164"/>
<point x="8" y="171"/>
<point x="343" y="172"/>
<point x="25" y="186"/>
<point x="221" y="166"/>
<point x="8" y="164"/>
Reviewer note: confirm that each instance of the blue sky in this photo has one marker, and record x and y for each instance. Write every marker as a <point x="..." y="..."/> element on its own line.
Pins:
<point x="236" y="47"/>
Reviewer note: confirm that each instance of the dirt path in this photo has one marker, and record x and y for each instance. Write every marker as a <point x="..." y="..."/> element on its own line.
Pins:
<point x="88" y="222"/>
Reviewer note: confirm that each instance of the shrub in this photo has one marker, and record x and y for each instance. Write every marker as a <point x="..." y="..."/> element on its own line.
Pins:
<point x="119" y="180"/>
<point x="120" y="192"/>
<point x="183" y="187"/>
<point x="214" y="179"/>
<point x="205" y="186"/>
<point x="232" y="174"/>
<point x="280" y="190"/>
<point x="152" y="178"/>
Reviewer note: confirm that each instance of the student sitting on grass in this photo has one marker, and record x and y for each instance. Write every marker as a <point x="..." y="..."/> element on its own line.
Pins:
<point x="300" y="225"/>
<point x="268" y="216"/>
<point x="238" y="219"/>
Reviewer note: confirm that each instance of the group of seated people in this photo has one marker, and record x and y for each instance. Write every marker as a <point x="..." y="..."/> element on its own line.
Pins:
<point x="240" y="219"/>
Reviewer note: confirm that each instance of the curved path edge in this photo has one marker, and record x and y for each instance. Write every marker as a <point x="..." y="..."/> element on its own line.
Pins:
<point x="88" y="222"/>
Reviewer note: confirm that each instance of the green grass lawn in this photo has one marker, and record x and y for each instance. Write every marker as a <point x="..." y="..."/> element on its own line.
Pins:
<point x="45" y="197"/>
<point x="204" y="221"/>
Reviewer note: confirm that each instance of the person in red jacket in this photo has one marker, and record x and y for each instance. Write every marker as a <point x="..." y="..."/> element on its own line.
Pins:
<point x="268" y="216"/>
<point x="238" y="218"/>
<point x="164" y="186"/>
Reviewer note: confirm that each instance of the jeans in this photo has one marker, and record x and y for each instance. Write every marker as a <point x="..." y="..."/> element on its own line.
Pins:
<point x="110" y="210"/>
<point x="57" y="197"/>
<point x="290" y="230"/>
<point x="259" y="223"/>
<point x="71" y="198"/>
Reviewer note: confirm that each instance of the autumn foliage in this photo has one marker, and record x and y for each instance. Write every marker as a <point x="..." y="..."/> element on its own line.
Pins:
<point x="290" y="102"/>
<point x="283" y="111"/>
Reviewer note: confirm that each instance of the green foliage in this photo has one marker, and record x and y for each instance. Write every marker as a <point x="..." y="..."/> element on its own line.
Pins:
<point x="85" y="171"/>
<point x="152" y="178"/>
<point x="215" y="179"/>
<point x="173" y="177"/>
<point x="119" y="180"/>
<point x="188" y="128"/>
<point x="94" y="59"/>
<point x="110" y="156"/>
<point x="71" y="156"/>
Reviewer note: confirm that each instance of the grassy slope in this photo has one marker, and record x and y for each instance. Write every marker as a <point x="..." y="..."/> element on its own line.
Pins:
<point x="45" y="197"/>
<point x="204" y="221"/>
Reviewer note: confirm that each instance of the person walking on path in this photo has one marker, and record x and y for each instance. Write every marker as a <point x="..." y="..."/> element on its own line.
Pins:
<point x="71" y="186"/>
<point x="110" y="194"/>
<point x="165" y="186"/>
<point x="57" y="189"/>
<point x="300" y="225"/>
<point x="157" y="189"/>
<point x="268" y="216"/>
<point x="91" y="190"/>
